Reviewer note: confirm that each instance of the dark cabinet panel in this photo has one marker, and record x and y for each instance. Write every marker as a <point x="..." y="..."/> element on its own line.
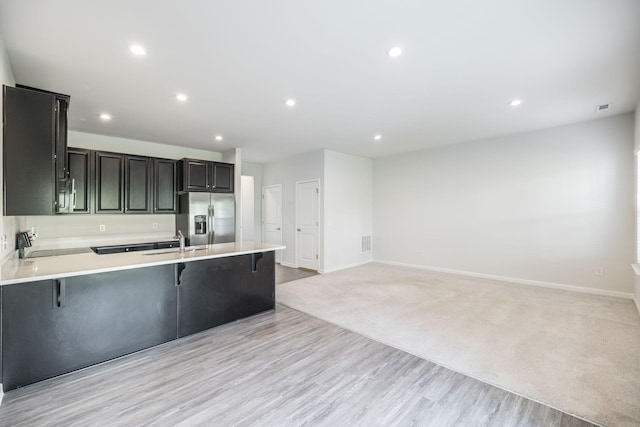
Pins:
<point x="34" y="146"/>
<point x="79" y="164"/>
<point x="216" y="291"/>
<point x="109" y="182"/>
<point x="29" y="175"/>
<point x="164" y="185"/>
<point x="201" y="175"/>
<point x="122" y="183"/>
<point x="222" y="177"/>
<point x="196" y="175"/>
<point x="61" y="125"/>
<point x="52" y="327"/>
<point x="137" y="184"/>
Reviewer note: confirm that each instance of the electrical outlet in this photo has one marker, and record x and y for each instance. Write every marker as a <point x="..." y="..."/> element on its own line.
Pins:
<point x="103" y="227"/>
<point x="154" y="225"/>
<point x="600" y="271"/>
<point x="4" y="242"/>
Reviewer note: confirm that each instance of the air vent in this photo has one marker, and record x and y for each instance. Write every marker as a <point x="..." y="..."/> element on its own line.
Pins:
<point x="366" y="244"/>
<point x="603" y="107"/>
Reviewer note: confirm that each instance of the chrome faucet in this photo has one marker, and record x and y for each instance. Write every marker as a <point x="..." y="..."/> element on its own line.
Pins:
<point x="181" y="237"/>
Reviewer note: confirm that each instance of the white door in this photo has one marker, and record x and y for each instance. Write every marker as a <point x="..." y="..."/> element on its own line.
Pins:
<point x="272" y="216"/>
<point x="307" y="195"/>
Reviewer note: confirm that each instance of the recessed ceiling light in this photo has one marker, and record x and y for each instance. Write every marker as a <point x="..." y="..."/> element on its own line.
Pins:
<point x="515" y="102"/>
<point x="136" y="49"/>
<point x="290" y="102"/>
<point x="181" y="97"/>
<point x="219" y="138"/>
<point x="105" y="116"/>
<point x="377" y="137"/>
<point x="394" y="52"/>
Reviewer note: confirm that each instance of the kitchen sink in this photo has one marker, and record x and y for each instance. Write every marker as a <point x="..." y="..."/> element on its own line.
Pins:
<point x="175" y="250"/>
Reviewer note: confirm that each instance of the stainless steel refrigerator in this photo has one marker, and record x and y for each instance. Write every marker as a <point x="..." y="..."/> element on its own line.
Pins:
<point x="206" y="218"/>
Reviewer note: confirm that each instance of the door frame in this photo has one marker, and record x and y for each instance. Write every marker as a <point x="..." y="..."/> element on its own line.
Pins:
<point x="278" y="257"/>
<point x="318" y="237"/>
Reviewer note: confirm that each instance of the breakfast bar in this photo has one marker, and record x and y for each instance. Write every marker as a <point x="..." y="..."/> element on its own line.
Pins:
<point x="67" y="312"/>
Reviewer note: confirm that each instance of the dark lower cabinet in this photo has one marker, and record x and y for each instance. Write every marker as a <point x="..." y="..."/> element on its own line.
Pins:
<point x="51" y="327"/>
<point x="216" y="291"/>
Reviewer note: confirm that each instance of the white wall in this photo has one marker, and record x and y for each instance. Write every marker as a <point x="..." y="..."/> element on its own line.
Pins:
<point x="348" y="209"/>
<point x="548" y="206"/>
<point x="8" y="224"/>
<point x="132" y="146"/>
<point x="255" y="170"/>
<point x="287" y="172"/>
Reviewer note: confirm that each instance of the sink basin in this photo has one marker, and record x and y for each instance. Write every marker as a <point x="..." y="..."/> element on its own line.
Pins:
<point x="175" y="250"/>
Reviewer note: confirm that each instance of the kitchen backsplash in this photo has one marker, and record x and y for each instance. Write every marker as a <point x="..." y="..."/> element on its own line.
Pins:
<point x="69" y="230"/>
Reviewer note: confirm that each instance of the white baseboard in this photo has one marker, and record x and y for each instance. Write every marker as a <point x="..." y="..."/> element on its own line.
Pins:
<point x="635" y="300"/>
<point x="1" y="394"/>
<point x="286" y="264"/>
<point x="344" y="267"/>
<point x="519" y="281"/>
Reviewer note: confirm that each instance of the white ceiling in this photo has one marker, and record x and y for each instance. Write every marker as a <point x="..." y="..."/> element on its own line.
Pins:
<point x="238" y="60"/>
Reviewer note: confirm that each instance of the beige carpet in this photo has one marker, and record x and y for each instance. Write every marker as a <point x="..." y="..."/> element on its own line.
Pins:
<point x="576" y="352"/>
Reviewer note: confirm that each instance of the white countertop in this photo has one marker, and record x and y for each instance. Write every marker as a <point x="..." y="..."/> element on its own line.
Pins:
<point x="54" y="267"/>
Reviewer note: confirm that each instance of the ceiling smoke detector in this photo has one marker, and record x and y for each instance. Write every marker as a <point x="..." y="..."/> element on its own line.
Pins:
<point x="603" y="107"/>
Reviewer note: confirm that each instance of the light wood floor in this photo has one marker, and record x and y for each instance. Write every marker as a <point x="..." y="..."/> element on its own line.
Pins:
<point x="287" y="274"/>
<point x="279" y="368"/>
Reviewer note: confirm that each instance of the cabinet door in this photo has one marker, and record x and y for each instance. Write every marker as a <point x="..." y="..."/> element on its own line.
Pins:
<point x="29" y="174"/>
<point x="79" y="163"/>
<point x="222" y="177"/>
<point x="61" y="120"/>
<point x="52" y="327"/>
<point x="164" y="186"/>
<point x="196" y="175"/>
<point x="216" y="291"/>
<point x="137" y="184"/>
<point x="109" y="179"/>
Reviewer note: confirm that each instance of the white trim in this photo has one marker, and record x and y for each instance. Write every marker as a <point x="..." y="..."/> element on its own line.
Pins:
<point x="1" y="394"/>
<point x="552" y="285"/>
<point x="637" y="305"/>
<point x="286" y="264"/>
<point x="636" y="269"/>
<point x="344" y="267"/>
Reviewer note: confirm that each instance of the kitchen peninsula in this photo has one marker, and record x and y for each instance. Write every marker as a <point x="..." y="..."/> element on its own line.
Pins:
<point x="62" y="313"/>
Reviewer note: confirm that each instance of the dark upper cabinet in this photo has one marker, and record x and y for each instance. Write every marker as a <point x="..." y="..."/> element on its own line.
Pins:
<point x="34" y="152"/>
<point x="222" y="177"/>
<point x="80" y="172"/>
<point x="109" y="179"/>
<point x="200" y="175"/>
<point x="195" y="175"/>
<point x="122" y="183"/>
<point x="164" y="186"/>
<point x="137" y="181"/>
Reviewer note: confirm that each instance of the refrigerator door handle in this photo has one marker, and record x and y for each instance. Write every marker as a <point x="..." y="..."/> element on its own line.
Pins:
<point x="210" y="235"/>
